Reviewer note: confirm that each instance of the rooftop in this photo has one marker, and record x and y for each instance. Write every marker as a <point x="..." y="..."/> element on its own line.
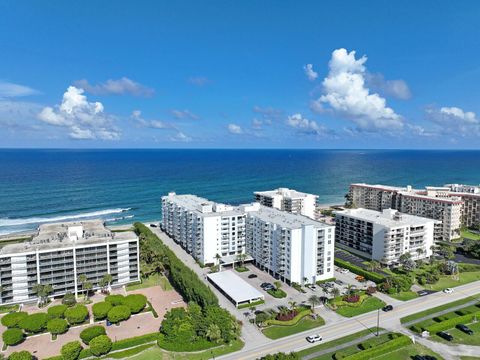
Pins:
<point x="60" y="235"/>
<point x="289" y="193"/>
<point x="235" y="287"/>
<point x="282" y="218"/>
<point x="202" y="206"/>
<point x="387" y="217"/>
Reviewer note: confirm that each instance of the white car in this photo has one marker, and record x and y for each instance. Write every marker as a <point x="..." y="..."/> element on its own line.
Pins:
<point x="314" y="338"/>
<point x="448" y="290"/>
<point x="344" y="271"/>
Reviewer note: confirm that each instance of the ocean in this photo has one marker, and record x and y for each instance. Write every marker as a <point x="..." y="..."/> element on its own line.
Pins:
<point x="123" y="186"/>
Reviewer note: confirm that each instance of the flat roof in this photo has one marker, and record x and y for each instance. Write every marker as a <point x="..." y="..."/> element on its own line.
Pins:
<point x="235" y="287"/>
<point x="386" y="217"/>
<point x="289" y="193"/>
<point x="285" y="219"/>
<point x="55" y="236"/>
<point x="195" y="203"/>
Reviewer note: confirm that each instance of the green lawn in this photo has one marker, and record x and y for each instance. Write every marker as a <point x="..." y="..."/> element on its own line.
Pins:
<point x="447" y="281"/>
<point x="459" y="337"/>
<point x="404" y="295"/>
<point x="279" y="331"/>
<point x="470" y="235"/>
<point x="155" y="353"/>
<point x="152" y="280"/>
<point x="408" y="352"/>
<point x="434" y="310"/>
<point x="369" y="304"/>
<point x="469" y="358"/>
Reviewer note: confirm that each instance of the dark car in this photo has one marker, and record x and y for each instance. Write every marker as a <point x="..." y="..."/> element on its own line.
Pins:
<point x="252" y="276"/>
<point x="429" y="357"/>
<point x="262" y="285"/>
<point x="445" y="335"/>
<point x="387" y="308"/>
<point x="153" y="225"/>
<point x="419" y="357"/>
<point x="465" y="329"/>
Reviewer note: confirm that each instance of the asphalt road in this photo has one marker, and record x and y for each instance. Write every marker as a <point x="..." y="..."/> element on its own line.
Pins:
<point x="389" y="320"/>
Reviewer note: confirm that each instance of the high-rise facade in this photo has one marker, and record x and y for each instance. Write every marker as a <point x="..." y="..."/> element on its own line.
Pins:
<point x="289" y="200"/>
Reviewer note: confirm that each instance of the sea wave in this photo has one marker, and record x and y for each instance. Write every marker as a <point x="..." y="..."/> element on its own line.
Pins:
<point x="40" y="220"/>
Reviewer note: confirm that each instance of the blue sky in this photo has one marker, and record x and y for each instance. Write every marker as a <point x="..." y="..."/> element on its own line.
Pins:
<point x="240" y="74"/>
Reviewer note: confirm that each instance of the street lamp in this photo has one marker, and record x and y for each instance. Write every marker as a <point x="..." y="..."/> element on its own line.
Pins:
<point x="378" y="320"/>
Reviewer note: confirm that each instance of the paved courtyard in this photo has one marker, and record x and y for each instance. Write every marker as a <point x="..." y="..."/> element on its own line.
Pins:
<point x="144" y="323"/>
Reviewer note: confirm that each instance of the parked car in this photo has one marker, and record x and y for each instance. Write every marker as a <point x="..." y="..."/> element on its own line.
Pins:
<point x="267" y="286"/>
<point x="419" y="357"/>
<point x="422" y="293"/>
<point x="445" y="335"/>
<point x="448" y="290"/>
<point x="344" y="271"/>
<point x="339" y="282"/>
<point x="429" y="357"/>
<point x="387" y="308"/>
<point x="153" y="225"/>
<point x="262" y="285"/>
<point x="314" y="338"/>
<point x="465" y="329"/>
<point x="312" y="287"/>
<point x="252" y="276"/>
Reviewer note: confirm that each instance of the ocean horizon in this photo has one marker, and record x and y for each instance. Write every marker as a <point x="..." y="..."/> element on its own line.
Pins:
<point x="125" y="185"/>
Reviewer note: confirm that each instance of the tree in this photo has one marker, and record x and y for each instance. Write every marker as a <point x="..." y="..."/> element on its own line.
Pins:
<point x="77" y="314"/>
<point x="34" y="323"/>
<point x="420" y="252"/>
<point x="214" y="333"/>
<point x="20" y="355"/>
<point x="57" y="326"/>
<point x="118" y="313"/>
<point x="82" y="279"/>
<point x="136" y="302"/>
<point x="373" y="265"/>
<point x="278" y="284"/>
<point x="91" y="333"/>
<point x="12" y="320"/>
<point x="305" y="281"/>
<point x="104" y="282"/>
<point x="292" y="304"/>
<point x="87" y="286"/>
<point x="335" y="292"/>
<point x="100" y="310"/>
<point x="71" y="350"/>
<point x="42" y="291"/>
<point x="69" y="299"/>
<point x="57" y="311"/>
<point x="100" y="345"/>
<point x="12" y="336"/>
<point x="314" y="300"/>
<point x="241" y="259"/>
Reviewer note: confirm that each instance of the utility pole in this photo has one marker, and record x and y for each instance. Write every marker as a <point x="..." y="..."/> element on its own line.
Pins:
<point x="378" y="320"/>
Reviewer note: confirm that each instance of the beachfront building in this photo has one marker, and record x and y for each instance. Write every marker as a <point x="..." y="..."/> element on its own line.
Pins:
<point x="59" y="253"/>
<point x="384" y="235"/>
<point x="288" y="200"/>
<point x="437" y="203"/>
<point x="205" y="229"/>
<point x="291" y="247"/>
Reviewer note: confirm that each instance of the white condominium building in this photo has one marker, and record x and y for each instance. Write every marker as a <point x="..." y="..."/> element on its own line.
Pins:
<point x="289" y="200"/>
<point x="204" y="228"/>
<point x="59" y="253"/>
<point x="291" y="247"/>
<point x="437" y="203"/>
<point x="384" y="236"/>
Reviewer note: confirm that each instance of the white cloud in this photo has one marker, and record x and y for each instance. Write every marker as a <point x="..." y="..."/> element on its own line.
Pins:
<point x="257" y="124"/>
<point x="396" y="88"/>
<point x="454" y="121"/>
<point x="345" y="94"/>
<point x="153" y="124"/>
<point x="305" y="126"/>
<point x="180" y="137"/>
<point x="235" y="129"/>
<point x="309" y="72"/>
<point x="198" y="80"/>
<point x="120" y="86"/>
<point x="83" y="119"/>
<point x="268" y="114"/>
<point x="19" y="115"/>
<point x="184" y="114"/>
<point x="8" y="90"/>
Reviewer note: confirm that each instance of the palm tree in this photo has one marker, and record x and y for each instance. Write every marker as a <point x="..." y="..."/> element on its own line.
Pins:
<point x="87" y="286"/>
<point x="218" y="257"/>
<point x="419" y="252"/>
<point x="305" y="281"/>
<point x="42" y="292"/>
<point x="335" y="292"/>
<point x="82" y="279"/>
<point x="292" y="304"/>
<point x="314" y="300"/>
<point x="373" y="265"/>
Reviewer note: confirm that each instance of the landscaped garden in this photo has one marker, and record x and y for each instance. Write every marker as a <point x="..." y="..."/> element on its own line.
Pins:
<point x="287" y="321"/>
<point x="355" y="302"/>
<point x="152" y="280"/>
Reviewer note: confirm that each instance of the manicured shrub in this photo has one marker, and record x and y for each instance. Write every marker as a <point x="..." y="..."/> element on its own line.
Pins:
<point x="77" y="314"/>
<point x="92" y="332"/>
<point x="101" y="309"/>
<point x="381" y="349"/>
<point x="115" y="299"/>
<point x="353" y="298"/>
<point x="71" y="350"/>
<point x="69" y="299"/>
<point x="100" y="345"/>
<point x="450" y="323"/>
<point x="12" y="336"/>
<point x="118" y="313"/>
<point x="20" y="355"/>
<point x="57" y="311"/>
<point x="11" y="320"/>
<point x="136" y="302"/>
<point x="34" y="323"/>
<point x="57" y="326"/>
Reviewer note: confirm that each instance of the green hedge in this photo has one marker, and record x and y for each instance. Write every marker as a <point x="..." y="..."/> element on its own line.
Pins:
<point x="91" y="333"/>
<point x="118" y="313"/>
<point x="199" y="345"/>
<point x="136" y="302"/>
<point x="57" y="326"/>
<point x="34" y="323"/>
<point x="295" y="320"/>
<point x="76" y="314"/>
<point x="376" y="278"/>
<point x="71" y="350"/>
<point x="11" y="320"/>
<point x="277" y="293"/>
<point x="115" y="300"/>
<point x="381" y="349"/>
<point x="134" y="341"/>
<point x="182" y="278"/>
<point x="100" y="345"/>
<point x="13" y="336"/>
<point x="56" y="311"/>
<point x="450" y="323"/>
<point x="255" y="303"/>
<point x="21" y="355"/>
<point x="100" y="310"/>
